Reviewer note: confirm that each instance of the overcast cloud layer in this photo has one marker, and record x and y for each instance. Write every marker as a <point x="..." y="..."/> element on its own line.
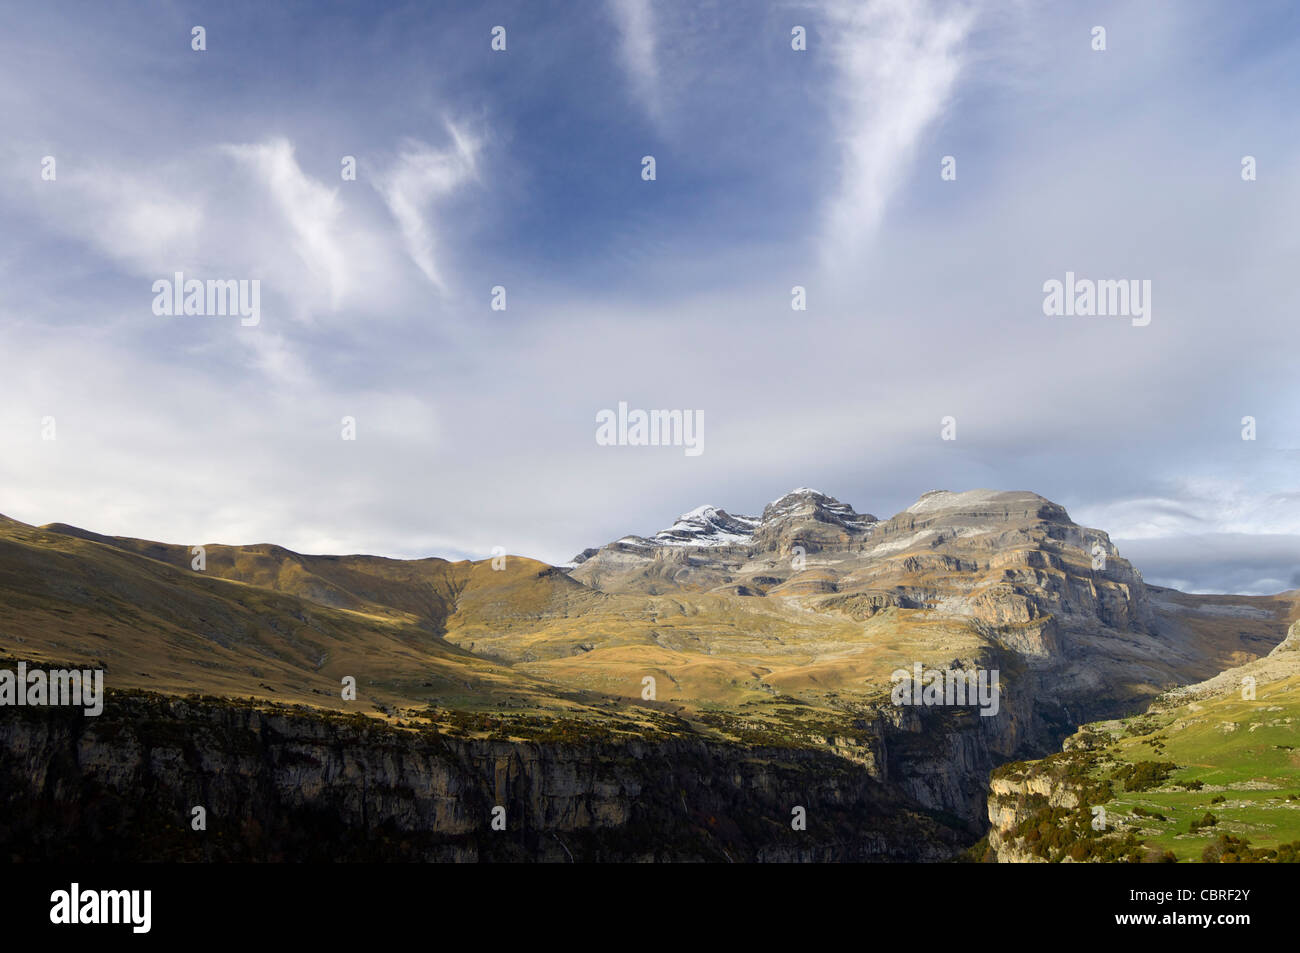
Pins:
<point x="775" y="168"/>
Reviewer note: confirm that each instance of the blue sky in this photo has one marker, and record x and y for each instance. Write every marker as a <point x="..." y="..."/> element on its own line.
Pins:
<point x="775" y="168"/>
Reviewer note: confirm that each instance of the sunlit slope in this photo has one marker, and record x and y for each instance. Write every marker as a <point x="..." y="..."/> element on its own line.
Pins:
<point x="1236" y="740"/>
<point x="709" y="648"/>
<point x="975" y="580"/>
<point x="156" y="626"/>
<point x="1211" y="770"/>
<point x="423" y="592"/>
<point x="701" y="648"/>
<point x="1239" y="762"/>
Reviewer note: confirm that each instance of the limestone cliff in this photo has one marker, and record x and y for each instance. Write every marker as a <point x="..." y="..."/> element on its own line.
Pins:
<point x="284" y="785"/>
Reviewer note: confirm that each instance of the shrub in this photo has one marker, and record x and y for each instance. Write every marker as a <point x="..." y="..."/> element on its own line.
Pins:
<point x="1144" y="775"/>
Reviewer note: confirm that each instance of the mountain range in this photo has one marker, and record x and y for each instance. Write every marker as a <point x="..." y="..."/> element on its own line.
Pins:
<point x="776" y="634"/>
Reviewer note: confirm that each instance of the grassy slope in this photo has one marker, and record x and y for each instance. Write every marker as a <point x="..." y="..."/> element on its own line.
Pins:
<point x="1234" y="757"/>
<point x="157" y="627"/>
<point x="1247" y="752"/>
<point x="267" y="623"/>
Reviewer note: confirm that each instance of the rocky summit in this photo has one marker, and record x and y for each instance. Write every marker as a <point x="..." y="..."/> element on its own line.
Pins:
<point x="1002" y="558"/>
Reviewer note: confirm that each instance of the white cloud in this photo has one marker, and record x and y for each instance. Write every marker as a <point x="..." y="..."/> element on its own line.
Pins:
<point x="898" y="62"/>
<point x="145" y="221"/>
<point x="1251" y="563"/>
<point x="251" y="210"/>
<point x="635" y="22"/>
<point x="311" y="210"/>
<point x="1201" y="505"/>
<point x="421" y="175"/>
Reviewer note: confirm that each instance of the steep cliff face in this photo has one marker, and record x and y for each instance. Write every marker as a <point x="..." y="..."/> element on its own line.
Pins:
<point x="1004" y="557"/>
<point x="942" y="757"/>
<point x="897" y="783"/>
<point x="291" y="785"/>
<point x="1012" y="801"/>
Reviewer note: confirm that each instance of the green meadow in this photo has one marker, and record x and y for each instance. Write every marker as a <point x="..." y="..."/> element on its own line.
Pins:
<point x="1238" y="762"/>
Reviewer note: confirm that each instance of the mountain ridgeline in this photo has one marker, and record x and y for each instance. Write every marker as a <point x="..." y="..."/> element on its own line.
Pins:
<point x="673" y="696"/>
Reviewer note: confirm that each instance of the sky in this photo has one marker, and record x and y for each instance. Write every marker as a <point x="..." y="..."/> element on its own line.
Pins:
<point x="774" y="168"/>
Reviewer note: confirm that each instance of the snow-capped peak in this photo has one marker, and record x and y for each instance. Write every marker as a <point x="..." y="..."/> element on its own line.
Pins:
<point x="707" y="526"/>
<point x="805" y="502"/>
<point x="700" y="512"/>
<point x="710" y="525"/>
<point x="799" y="491"/>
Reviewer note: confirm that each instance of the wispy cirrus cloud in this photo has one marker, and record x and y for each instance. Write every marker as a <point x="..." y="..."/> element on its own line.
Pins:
<point x="137" y="218"/>
<point x="897" y="64"/>
<point x="422" y="175"/>
<point x="240" y="209"/>
<point x="310" y="209"/>
<point x="636" y="24"/>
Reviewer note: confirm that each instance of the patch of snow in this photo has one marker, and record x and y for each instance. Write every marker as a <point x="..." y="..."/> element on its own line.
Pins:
<point x="707" y="526"/>
<point x="806" y="498"/>
<point x="700" y="512"/>
<point x="937" y="500"/>
<point x="798" y="491"/>
<point x="906" y="542"/>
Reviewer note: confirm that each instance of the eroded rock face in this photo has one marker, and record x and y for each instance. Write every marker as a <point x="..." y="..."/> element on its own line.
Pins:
<point x="1012" y="801"/>
<point x="278" y="785"/>
<point x="708" y="543"/>
<point x="1011" y="566"/>
<point x="810" y="519"/>
<point x="1004" y="558"/>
